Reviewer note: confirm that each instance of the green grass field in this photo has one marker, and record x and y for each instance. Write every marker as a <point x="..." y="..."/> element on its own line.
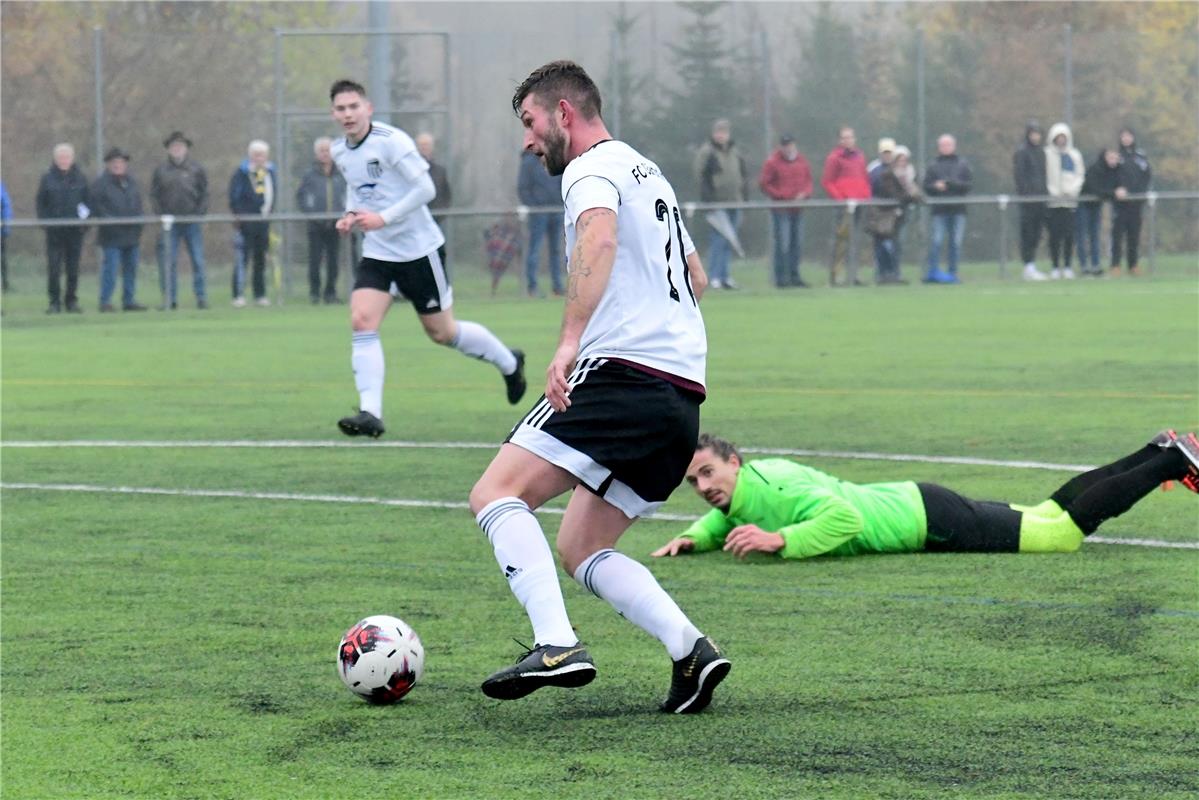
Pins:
<point x="182" y="645"/>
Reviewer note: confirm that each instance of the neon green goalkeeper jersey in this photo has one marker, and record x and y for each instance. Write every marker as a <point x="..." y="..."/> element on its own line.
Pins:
<point x="817" y="514"/>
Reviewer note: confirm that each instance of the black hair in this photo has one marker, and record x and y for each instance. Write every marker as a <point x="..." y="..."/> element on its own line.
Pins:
<point x="346" y="85"/>
<point x="721" y="447"/>
<point x="560" y="80"/>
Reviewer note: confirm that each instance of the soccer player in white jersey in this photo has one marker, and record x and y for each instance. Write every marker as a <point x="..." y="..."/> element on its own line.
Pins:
<point x="387" y="191"/>
<point x="618" y="423"/>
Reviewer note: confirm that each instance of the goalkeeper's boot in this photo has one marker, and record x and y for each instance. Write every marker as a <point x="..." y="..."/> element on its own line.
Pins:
<point x="694" y="678"/>
<point x="364" y="423"/>
<point x="544" y="665"/>
<point x="515" y="382"/>
<point x="1189" y="445"/>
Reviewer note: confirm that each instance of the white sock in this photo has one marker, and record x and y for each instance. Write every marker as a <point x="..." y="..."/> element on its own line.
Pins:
<point x="525" y="559"/>
<point x="477" y="342"/>
<point x="634" y="592"/>
<point x="366" y="358"/>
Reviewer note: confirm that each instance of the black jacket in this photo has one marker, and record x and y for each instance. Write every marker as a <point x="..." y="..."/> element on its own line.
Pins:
<point x="441" y="182"/>
<point x="1101" y="180"/>
<point x="1028" y="168"/>
<point x="180" y="189"/>
<point x="955" y="171"/>
<point x="1135" y="173"/>
<point x="110" y="196"/>
<point x="311" y="197"/>
<point x="60" y="193"/>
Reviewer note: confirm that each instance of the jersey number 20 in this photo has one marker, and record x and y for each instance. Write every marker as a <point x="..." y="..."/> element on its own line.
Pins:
<point x="662" y="211"/>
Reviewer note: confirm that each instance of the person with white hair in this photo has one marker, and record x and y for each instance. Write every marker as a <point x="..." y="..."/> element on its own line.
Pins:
<point x="252" y="194"/>
<point x="322" y="190"/>
<point x="61" y="195"/>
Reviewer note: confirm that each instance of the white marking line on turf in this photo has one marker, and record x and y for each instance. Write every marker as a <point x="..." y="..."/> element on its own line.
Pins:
<point x="404" y="445"/>
<point x="442" y="504"/>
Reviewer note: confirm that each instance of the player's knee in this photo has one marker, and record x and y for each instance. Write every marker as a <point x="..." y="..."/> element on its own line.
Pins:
<point x="362" y="321"/>
<point x="442" y="336"/>
<point x="481" y="494"/>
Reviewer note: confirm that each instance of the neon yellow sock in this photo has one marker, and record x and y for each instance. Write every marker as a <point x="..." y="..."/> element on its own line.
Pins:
<point x="1047" y="509"/>
<point x="1049" y="534"/>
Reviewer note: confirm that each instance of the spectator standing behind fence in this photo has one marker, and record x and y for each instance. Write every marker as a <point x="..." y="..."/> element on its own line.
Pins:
<point x="1064" y="175"/>
<point x="1135" y="178"/>
<point x="62" y="194"/>
<point x="322" y="190"/>
<point x="894" y="182"/>
<point x="536" y="187"/>
<point x="786" y="175"/>
<point x="426" y="146"/>
<point x="1028" y="170"/>
<point x="113" y="195"/>
<point x="874" y="171"/>
<point x="252" y="193"/>
<point x="722" y="178"/>
<point x="5" y="216"/>
<point x="844" y="178"/>
<point x="949" y="176"/>
<point x="180" y="188"/>
<point x="1102" y="180"/>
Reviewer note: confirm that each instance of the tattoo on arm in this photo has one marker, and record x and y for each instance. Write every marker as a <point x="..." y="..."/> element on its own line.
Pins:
<point x="579" y="268"/>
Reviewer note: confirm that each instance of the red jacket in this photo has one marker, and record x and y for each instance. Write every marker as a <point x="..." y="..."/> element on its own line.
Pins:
<point x="781" y="179"/>
<point x="845" y="176"/>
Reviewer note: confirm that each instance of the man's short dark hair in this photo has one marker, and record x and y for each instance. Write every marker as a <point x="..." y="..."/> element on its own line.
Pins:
<point x="560" y="80"/>
<point x="721" y="447"/>
<point x="346" y="85"/>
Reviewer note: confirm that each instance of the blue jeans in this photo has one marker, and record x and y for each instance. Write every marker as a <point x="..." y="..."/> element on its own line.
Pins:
<point x="720" y="252"/>
<point x="128" y="257"/>
<point x="1086" y="234"/>
<point x="886" y="257"/>
<point x="788" y="246"/>
<point x="193" y="236"/>
<point x="953" y="228"/>
<point x="549" y="228"/>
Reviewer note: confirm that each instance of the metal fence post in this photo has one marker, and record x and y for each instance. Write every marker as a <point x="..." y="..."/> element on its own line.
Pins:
<point x="281" y="148"/>
<point x="1151" y="201"/>
<point x="851" y="209"/>
<point x="1003" y="202"/>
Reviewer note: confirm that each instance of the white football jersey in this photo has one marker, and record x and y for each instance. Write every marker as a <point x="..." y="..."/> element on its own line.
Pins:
<point x="380" y="170"/>
<point x="648" y="314"/>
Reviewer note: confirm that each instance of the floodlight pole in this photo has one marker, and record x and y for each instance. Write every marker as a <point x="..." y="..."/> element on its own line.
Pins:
<point x="98" y="73"/>
<point x="1068" y="43"/>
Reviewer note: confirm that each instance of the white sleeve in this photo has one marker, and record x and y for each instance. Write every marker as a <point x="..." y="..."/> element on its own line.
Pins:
<point x="587" y="192"/>
<point x="404" y="156"/>
<point x="688" y="245"/>
<point x="419" y="194"/>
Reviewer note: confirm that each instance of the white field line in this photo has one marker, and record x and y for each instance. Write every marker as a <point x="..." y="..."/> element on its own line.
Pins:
<point x="302" y="443"/>
<point x="442" y="504"/>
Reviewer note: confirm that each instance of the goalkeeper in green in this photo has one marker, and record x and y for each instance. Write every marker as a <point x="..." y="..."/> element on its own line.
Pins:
<point x="777" y="506"/>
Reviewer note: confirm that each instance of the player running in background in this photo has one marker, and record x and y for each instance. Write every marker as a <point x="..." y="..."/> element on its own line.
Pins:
<point x="620" y="415"/>
<point x="387" y="193"/>
<point x="777" y="506"/>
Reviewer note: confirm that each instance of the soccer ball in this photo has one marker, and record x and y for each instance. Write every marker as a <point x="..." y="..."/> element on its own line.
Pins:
<point x="380" y="659"/>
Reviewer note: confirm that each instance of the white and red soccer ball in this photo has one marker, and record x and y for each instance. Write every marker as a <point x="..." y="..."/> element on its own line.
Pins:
<point x="380" y="659"/>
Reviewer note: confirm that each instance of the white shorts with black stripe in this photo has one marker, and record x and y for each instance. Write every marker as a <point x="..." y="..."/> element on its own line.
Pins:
<point x="628" y="436"/>
<point x="422" y="282"/>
